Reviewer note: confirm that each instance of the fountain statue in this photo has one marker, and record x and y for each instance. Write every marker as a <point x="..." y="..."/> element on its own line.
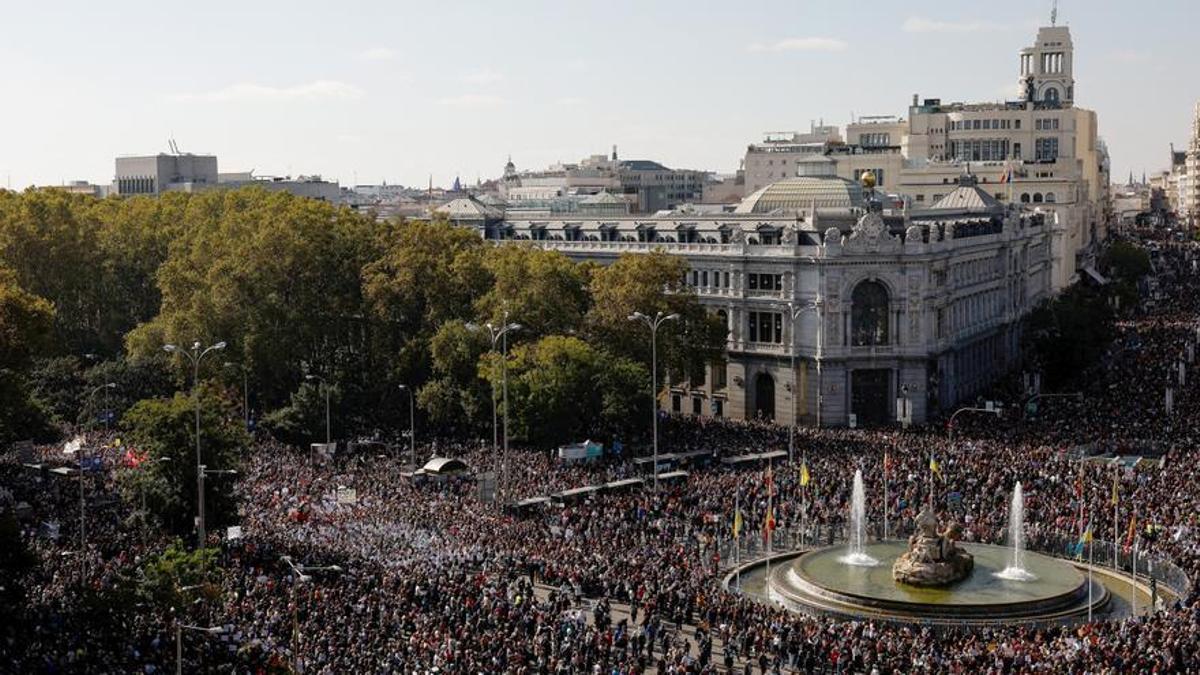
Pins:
<point x="858" y="526"/>
<point x="933" y="558"/>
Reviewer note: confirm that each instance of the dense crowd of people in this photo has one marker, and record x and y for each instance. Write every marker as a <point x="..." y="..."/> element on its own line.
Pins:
<point x="417" y="574"/>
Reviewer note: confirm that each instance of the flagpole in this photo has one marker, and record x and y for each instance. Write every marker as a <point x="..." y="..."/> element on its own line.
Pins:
<point x="1133" y="586"/>
<point x="1091" y="564"/>
<point x="737" y="538"/>
<point x="1116" y="514"/>
<point x="885" y="495"/>
<point x="803" y="500"/>
<point x="770" y="517"/>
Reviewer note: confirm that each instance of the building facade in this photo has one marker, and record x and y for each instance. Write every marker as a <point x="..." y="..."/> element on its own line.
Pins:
<point x="1041" y="150"/>
<point x="156" y="174"/>
<point x="921" y="306"/>
<point x="1189" y="183"/>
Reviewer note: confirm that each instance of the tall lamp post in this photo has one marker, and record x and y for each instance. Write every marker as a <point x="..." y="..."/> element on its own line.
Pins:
<point x="82" y="499"/>
<point x="795" y="313"/>
<point x="653" y="323"/>
<point x="950" y="428"/>
<point x="412" y="425"/>
<point x="195" y="355"/>
<point x="179" y="628"/>
<point x="325" y="387"/>
<point x="499" y="335"/>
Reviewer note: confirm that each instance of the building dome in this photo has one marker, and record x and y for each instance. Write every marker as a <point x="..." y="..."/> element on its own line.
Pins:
<point x="803" y="193"/>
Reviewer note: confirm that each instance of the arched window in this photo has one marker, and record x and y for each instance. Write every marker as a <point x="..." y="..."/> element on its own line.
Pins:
<point x="1037" y="198"/>
<point x="1024" y="197"/>
<point x="1050" y="197"/>
<point x="869" y="314"/>
<point x="1051" y="95"/>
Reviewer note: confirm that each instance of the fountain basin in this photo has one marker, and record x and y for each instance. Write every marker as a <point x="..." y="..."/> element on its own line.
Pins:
<point x="818" y="582"/>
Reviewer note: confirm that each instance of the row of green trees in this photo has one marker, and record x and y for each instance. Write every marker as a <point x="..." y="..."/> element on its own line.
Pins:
<point x="91" y="290"/>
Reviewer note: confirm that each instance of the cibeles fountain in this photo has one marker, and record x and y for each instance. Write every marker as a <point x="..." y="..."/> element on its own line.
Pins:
<point x="933" y="577"/>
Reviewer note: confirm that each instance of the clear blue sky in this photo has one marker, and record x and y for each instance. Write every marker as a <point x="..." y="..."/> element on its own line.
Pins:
<point x="398" y="90"/>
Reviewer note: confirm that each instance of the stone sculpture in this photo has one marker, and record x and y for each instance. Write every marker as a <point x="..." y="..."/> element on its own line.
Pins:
<point x="933" y="558"/>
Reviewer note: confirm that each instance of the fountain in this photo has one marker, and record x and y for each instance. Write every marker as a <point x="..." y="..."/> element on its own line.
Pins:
<point x="857" y="554"/>
<point x="1016" y="571"/>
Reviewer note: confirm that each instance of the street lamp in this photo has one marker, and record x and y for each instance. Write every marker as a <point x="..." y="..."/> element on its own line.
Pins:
<point x="245" y="390"/>
<point x="795" y="313"/>
<point x="412" y="425"/>
<point x="653" y="323"/>
<point x="994" y="410"/>
<point x="499" y="335"/>
<point x="179" y="628"/>
<point x="324" y="386"/>
<point x="302" y="577"/>
<point x="195" y="355"/>
<point x="82" y="500"/>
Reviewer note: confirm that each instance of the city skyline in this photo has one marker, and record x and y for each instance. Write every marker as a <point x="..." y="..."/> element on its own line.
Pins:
<point x="377" y="94"/>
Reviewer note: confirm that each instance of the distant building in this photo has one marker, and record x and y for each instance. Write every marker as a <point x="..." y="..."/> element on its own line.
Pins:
<point x="80" y="187"/>
<point x="646" y="186"/>
<point x="1189" y="188"/>
<point x="313" y="187"/>
<point x="156" y="174"/>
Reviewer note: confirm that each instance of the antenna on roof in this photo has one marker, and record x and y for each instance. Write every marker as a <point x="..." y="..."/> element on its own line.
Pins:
<point x="1054" y="12"/>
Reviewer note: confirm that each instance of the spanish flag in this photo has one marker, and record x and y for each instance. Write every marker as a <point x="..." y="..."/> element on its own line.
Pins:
<point x="935" y="467"/>
<point x="769" y="523"/>
<point x="805" y="479"/>
<point x="737" y="523"/>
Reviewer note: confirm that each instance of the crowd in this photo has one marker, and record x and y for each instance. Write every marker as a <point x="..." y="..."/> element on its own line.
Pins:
<point x="421" y="576"/>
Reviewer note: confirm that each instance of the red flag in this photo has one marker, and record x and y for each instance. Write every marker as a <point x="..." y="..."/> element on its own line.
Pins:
<point x="887" y="463"/>
<point x="769" y="524"/>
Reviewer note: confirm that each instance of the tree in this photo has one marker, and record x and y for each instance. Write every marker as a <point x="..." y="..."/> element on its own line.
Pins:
<point x="544" y="290"/>
<point x="275" y="276"/>
<point x="173" y="576"/>
<point x="561" y="388"/>
<point x="651" y="283"/>
<point x="165" y="427"/>
<point x="26" y="325"/>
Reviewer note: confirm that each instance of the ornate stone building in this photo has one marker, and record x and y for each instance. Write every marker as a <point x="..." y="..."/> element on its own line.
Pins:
<point x="876" y="308"/>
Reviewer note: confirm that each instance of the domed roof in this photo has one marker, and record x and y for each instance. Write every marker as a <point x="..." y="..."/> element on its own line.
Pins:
<point x="802" y="193"/>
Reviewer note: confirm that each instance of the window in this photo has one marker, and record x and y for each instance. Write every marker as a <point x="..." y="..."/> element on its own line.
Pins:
<point x="697" y="405"/>
<point x="718" y="408"/>
<point x="1016" y="124"/>
<point x="720" y="380"/>
<point x="869" y="314"/>
<point x="1037" y="198"/>
<point x="1045" y="149"/>
<point x="766" y="327"/>
<point x="676" y="403"/>
<point x="1051" y="95"/>
<point x="752" y="282"/>
<point x="1050" y="197"/>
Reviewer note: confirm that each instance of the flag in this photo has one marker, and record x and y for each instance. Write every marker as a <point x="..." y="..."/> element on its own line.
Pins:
<point x="737" y="523"/>
<point x="805" y="478"/>
<point x="769" y="523"/>
<point x="887" y="463"/>
<point x="935" y="467"/>
<point x="1084" y="540"/>
<point x="770" y="480"/>
<point x="1116" y="499"/>
<point x="1132" y="532"/>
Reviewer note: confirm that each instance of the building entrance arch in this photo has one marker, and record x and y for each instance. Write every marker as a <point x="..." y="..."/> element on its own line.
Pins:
<point x="764" y="396"/>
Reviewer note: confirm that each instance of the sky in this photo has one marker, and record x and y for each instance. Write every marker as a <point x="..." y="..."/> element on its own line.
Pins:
<point x="404" y="90"/>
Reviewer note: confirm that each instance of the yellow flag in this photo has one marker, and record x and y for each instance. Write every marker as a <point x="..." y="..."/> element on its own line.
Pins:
<point x="804" y="477"/>
<point x="935" y="467"/>
<point x="737" y="523"/>
<point x="1115" y="496"/>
